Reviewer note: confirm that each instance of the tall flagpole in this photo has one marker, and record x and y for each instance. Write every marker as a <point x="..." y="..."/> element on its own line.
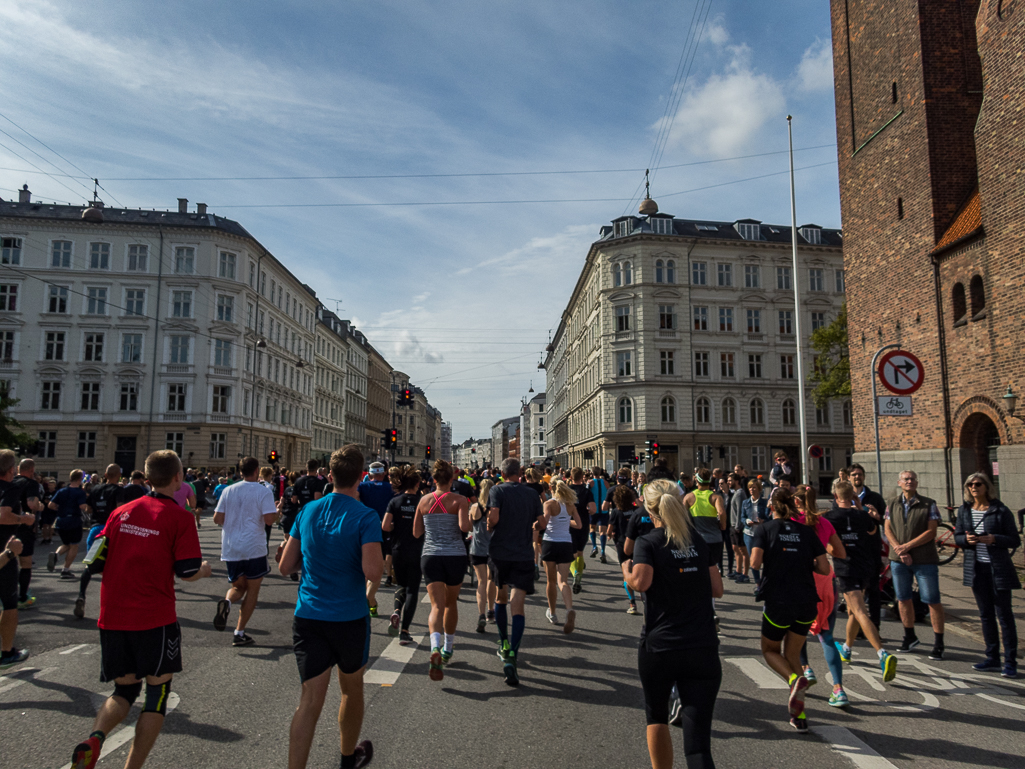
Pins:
<point x="802" y="415"/>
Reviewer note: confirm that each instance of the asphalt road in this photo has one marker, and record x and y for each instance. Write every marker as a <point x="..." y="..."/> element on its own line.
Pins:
<point x="579" y="704"/>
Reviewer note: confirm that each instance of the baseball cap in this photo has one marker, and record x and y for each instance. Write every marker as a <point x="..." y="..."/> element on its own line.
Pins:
<point x="376" y="468"/>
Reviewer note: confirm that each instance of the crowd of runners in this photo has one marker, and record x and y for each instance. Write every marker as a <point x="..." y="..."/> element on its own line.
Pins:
<point x="346" y="528"/>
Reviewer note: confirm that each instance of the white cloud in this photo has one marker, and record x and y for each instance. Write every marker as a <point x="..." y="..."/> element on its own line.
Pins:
<point x="715" y="32"/>
<point x="815" y="72"/>
<point x="409" y="346"/>
<point x="721" y="116"/>
<point x="542" y="253"/>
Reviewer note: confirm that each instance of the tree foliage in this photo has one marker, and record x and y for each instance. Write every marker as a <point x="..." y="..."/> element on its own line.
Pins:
<point x="10" y="438"/>
<point x="832" y="373"/>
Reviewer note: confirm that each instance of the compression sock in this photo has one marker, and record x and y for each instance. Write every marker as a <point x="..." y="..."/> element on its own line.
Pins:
<point x="400" y="598"/>
<point x="594" y="539"/>
<point x="409" y="609"/>
<point x="501" y="621"/>
<point x="832" y="655"/>
<point x="83" y="582"/>
<point x="450" y="639"/>
<point x="519" y="623"/>
<point x="757" y="574"/>
<point x="629" y="594"/>
<point x="604" y="539"/>
<point x="24" y="577"/>
<point x="573" y="567"/>
<point x="435" y="640"/>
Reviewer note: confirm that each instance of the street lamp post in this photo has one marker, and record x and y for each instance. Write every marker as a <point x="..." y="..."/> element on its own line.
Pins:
<point x="805" y="459"/>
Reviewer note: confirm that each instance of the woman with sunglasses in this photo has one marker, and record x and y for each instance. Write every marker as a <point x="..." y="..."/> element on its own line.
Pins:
<point x="985" y="529"/>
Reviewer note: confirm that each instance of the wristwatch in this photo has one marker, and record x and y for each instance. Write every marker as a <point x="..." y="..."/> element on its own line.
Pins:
<point x="10" y="555"/>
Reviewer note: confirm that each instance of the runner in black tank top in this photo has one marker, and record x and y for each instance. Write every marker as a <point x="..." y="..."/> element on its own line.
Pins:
<point x="406" y="549"/>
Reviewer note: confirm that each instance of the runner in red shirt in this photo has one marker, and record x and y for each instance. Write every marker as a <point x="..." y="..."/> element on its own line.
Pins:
<point x="148" y="542"/>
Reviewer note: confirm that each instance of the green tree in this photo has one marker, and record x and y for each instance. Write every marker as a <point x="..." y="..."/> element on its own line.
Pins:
<point x="9" y="439"/>
<point x="831" y="373"/>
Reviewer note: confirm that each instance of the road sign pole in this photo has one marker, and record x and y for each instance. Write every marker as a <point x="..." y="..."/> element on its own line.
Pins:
<point x="875" y="412"/>
<point x="805" y="462"/>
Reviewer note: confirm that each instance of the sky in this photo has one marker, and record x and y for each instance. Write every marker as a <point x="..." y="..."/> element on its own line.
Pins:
<point x="491" y="141"/>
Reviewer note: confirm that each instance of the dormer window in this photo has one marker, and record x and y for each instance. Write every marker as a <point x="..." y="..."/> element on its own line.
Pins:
<point x="812" y="234"/>
<point x="623" y="228"/>
<point x="662" y="226"/>
<point x="707" y="228"/>
<point x="749" y="230"/>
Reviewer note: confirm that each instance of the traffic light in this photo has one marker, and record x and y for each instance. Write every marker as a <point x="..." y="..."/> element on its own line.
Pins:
<point x="273" y="457"/>
<point x="393" y="438"/>
<point x="427" y="453"/>
<point x="654" y="449"/>
<point x="407" y="397"/>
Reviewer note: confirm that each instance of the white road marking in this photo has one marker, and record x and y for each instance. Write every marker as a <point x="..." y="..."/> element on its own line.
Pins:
<point x="757" y="672"/>
<point x="388" y="667"/>
<point x="74" y="649"/>
<point x="1000" y="701"/>
<point x="21" y="677"/>
<point x="119" y="737"/>
<point x="843" y="741"/>
<point x="869" y="678"/>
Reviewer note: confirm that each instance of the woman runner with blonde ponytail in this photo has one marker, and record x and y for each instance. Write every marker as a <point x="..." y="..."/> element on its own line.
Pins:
<point x="673" y="567"/>
<point x="560" y="517"/>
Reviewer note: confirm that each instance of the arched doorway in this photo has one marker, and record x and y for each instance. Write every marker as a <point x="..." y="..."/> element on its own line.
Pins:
<point x="979" y="439"/>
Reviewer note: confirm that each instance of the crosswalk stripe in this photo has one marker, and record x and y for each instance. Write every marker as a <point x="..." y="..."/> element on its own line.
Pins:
<point x="757" y="672"/>
<point x="21" y="677"/>
<point x="388" y="667"/>
<point x="74" y="649"/>
<point x="843" y="741"/>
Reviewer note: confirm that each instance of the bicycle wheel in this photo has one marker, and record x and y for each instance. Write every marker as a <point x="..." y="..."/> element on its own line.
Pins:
<point x="945" y="545"/>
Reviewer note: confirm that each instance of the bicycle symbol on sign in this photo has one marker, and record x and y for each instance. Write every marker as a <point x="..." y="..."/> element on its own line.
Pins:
<point x="894" y="403"/>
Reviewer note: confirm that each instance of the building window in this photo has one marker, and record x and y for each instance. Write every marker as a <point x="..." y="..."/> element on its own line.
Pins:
<point x="90" y="396"/>
<point x="60" y="254"/>
<point x="10" y="251"/>
<point x="749" y="231"/>
<point x="138" y="258"/>
<point x="179" y="349"/>
<point x="628" y="274"/>
<point x="222" y="353"/>
<point x="752" y="276"/>
<point x="754" y="366"/>
<point x="184" y="260"/>
<point x="666" y="316"/>
<point x="757" y="457"/>
<point x="176" y="397"/>
<point x="227" y="265"/>
<point x="822" y="415"/>
<point x="668" y="410"/>
<point x="959" y="301"/>
<point x="660" y="271"/>
<point x="726" y="365"/>
<point x="815" y="280"/>
<point x="58" y="300"/>
<point x="221" y="396"/>
<point x="783" y="278"/>
<point x="96" y="301"/>
<point x="667" y="363"/>
<point x="699" y="276"/>
<point x="225" y="308"/>
<point x="701" y="319"/>
<point x="129" y="397"/>
<point x="6" y="348"/>
<point x="725" y="318"/>
<point x="826" y="460"/>
<point x="662" y="226"/>
<point x="93" y="350"/>
<point x="670" y="271"/>
<point x="181" y="304"/>
<point x="847" y="417"/>
<point x="813" y="235"/>
<point x="729" y="412"/>
<point x="131" y="348"/>
<point x="54" y="347"/>
<point x="786" y="366"/>
<point x="87" y="445"/>
<point x="623" y="228"/>
<point x="51" y="396"/>
<point x="786" y="322"/>
<point x="701" y="364"/>
<point x="623" y="318"/>
<point x="99" y="256"/>
<point x="725" y="275"/>
<point x="702" y="411"/>
<point x="617" y="275"/>
<point x="754" y="321"/>
<point x="9" y="297"/>
<point x="626" y="411"/>
<point x="757" y="412"/>
<point x="818" y="320"/>
<point x="841" y="281"/>
<point x="47" y="444"/>
<point x="977" y="294"/>
<point x="135" y="301"/>
<point x="175" y="442"/>
<point x="624" y="363"/>
<point x="218" y="445"/>
<point x="789" y="413"/>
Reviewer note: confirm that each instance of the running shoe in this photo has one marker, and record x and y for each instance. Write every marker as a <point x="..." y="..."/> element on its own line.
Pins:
<point x="909" y="644"/>
<point x="364" y="753"/>
<point x="504" y="650"/>
<point x="1009" y="671"/>
<point x="987" y="666"/>
<point x="51" y="561"/>
<point x="221" y="617"/>
<point x="844" y="650"/>
<point x="393" y="623"/>
<point x="795" y="705"/>
<point x="603" y="559"/>
<point x="86" y="754"/>
<point x="838" y="699"/>
<point x="550" y="615"/>
<point x="436" y="671"/>
<point x="594" y="553"/>
<point x="509" y="669"/>
<point x="491" y="616"/>
<point x="675" y="707"/>
<point x="810" y="675"/>
<point x="571" y="621"/>
<point x="13" y="657"/>
<point x="888" y="664"/>
<point x="632" y="609"/>
<point x="800" y="723"/>
<point x="446" y="656"/>
<point x="241" y="640"/>
<point x="405" y="639"/>
<point x="79" y="610"/>
<point x="373" y="610"/>
<point x="936" y="653"/>
<point x="67" y="574"/>
<point x="482" y="623"/>
<point x="28" y="603"/>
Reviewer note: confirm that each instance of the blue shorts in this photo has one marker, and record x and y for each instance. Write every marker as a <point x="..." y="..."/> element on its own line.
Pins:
<point x="927" y="574"/>
<point x="600" y="518"/>
<point x="253" y="568"/>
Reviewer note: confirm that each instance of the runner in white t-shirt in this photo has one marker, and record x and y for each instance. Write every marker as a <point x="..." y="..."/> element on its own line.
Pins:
<point x="243" y="510"/>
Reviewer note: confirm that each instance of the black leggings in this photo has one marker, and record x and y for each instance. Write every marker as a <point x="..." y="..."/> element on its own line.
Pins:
<point x="697" y="674"/>
<point x="408" y="578"/>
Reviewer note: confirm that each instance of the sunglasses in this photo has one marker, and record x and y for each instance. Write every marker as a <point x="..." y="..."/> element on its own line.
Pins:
<point x="976" y="485"/>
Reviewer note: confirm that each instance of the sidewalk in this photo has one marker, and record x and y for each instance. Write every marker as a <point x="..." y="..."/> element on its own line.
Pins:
<point x="961" y="611"/>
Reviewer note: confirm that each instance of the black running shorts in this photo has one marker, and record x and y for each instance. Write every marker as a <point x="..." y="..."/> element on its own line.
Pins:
<point x="518" y="574"/>
<point x="141" y="653"/>
<point x="70" y="536"/>
<point x="557" y="552"/>
<point x="407" y="572"/>
<point x="319" y="645"/>
<point x="580" y="538"/>
<point x="450" y="569"/>
<point x="778" y="619"/>
<point x="27" y="535"/>
<point x="854" y="581"/>
<point x="478" y="560"/>
<point x="9" y="586"/>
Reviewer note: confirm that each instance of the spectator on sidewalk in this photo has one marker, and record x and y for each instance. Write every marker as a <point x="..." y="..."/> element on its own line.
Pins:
<point x="985" y="529"/>
<point x="911" y="523"/>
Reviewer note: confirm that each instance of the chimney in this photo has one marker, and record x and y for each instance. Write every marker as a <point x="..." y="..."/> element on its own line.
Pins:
<point x="200" y="208"/>
<point x="183" y="205"/>
<point x="24" y="194"/>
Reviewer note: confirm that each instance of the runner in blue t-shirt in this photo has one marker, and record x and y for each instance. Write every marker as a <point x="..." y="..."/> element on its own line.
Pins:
<point x="335" y="541"/>
<point x="376" y="492"/>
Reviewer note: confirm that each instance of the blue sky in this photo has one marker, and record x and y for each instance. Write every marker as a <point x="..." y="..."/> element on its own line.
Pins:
<point x="461" y="296"/>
